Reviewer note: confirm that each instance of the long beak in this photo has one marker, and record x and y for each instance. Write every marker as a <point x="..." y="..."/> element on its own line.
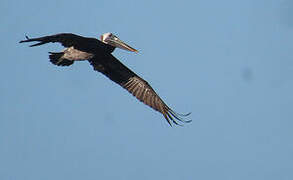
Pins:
<point x="116" y="42"/>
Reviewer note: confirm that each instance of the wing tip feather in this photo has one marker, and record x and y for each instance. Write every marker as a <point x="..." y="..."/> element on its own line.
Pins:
<point x="171" y="115"/>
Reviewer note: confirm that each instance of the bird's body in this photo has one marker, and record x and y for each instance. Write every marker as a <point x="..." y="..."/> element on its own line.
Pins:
<point x="98" y="53"/>
<point x="76" y="55"/>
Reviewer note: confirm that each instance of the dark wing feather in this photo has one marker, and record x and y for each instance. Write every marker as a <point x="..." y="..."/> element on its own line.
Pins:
<point x="138" y="87"/>
<point x="68" y="40"/>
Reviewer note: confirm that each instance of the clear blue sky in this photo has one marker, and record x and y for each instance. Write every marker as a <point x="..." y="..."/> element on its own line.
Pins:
<point x="228" y="62"/>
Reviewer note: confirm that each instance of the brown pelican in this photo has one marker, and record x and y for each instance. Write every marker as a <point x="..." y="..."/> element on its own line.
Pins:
<point x="98" y="53"/>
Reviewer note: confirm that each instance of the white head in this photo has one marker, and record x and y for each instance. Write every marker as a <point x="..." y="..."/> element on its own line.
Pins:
<point x="111" y="39"/>
<point x="105" y="37"/>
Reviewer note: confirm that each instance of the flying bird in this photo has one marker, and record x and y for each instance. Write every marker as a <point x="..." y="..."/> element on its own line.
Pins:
<point x="99" y="55"/>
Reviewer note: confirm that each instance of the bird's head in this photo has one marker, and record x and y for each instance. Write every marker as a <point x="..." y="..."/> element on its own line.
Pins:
<point x="111" y="39"/>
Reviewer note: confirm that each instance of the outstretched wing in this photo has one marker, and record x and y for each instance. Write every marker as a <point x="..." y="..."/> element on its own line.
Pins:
<point x="68" y="40"/>
<point x="138" y="87"/>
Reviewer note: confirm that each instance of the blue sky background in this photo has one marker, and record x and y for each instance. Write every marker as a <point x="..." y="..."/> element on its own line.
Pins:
<point x="228" y="62"/>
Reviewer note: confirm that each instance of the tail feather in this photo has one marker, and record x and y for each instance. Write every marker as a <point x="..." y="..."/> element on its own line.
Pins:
<point x="57" y="59"/>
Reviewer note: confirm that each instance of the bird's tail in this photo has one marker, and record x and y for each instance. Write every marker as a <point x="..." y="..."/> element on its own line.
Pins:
<point x="57" y="59"/>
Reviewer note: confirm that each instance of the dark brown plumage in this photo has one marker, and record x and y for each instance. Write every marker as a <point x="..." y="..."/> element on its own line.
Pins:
<point x="99" y="55"/>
